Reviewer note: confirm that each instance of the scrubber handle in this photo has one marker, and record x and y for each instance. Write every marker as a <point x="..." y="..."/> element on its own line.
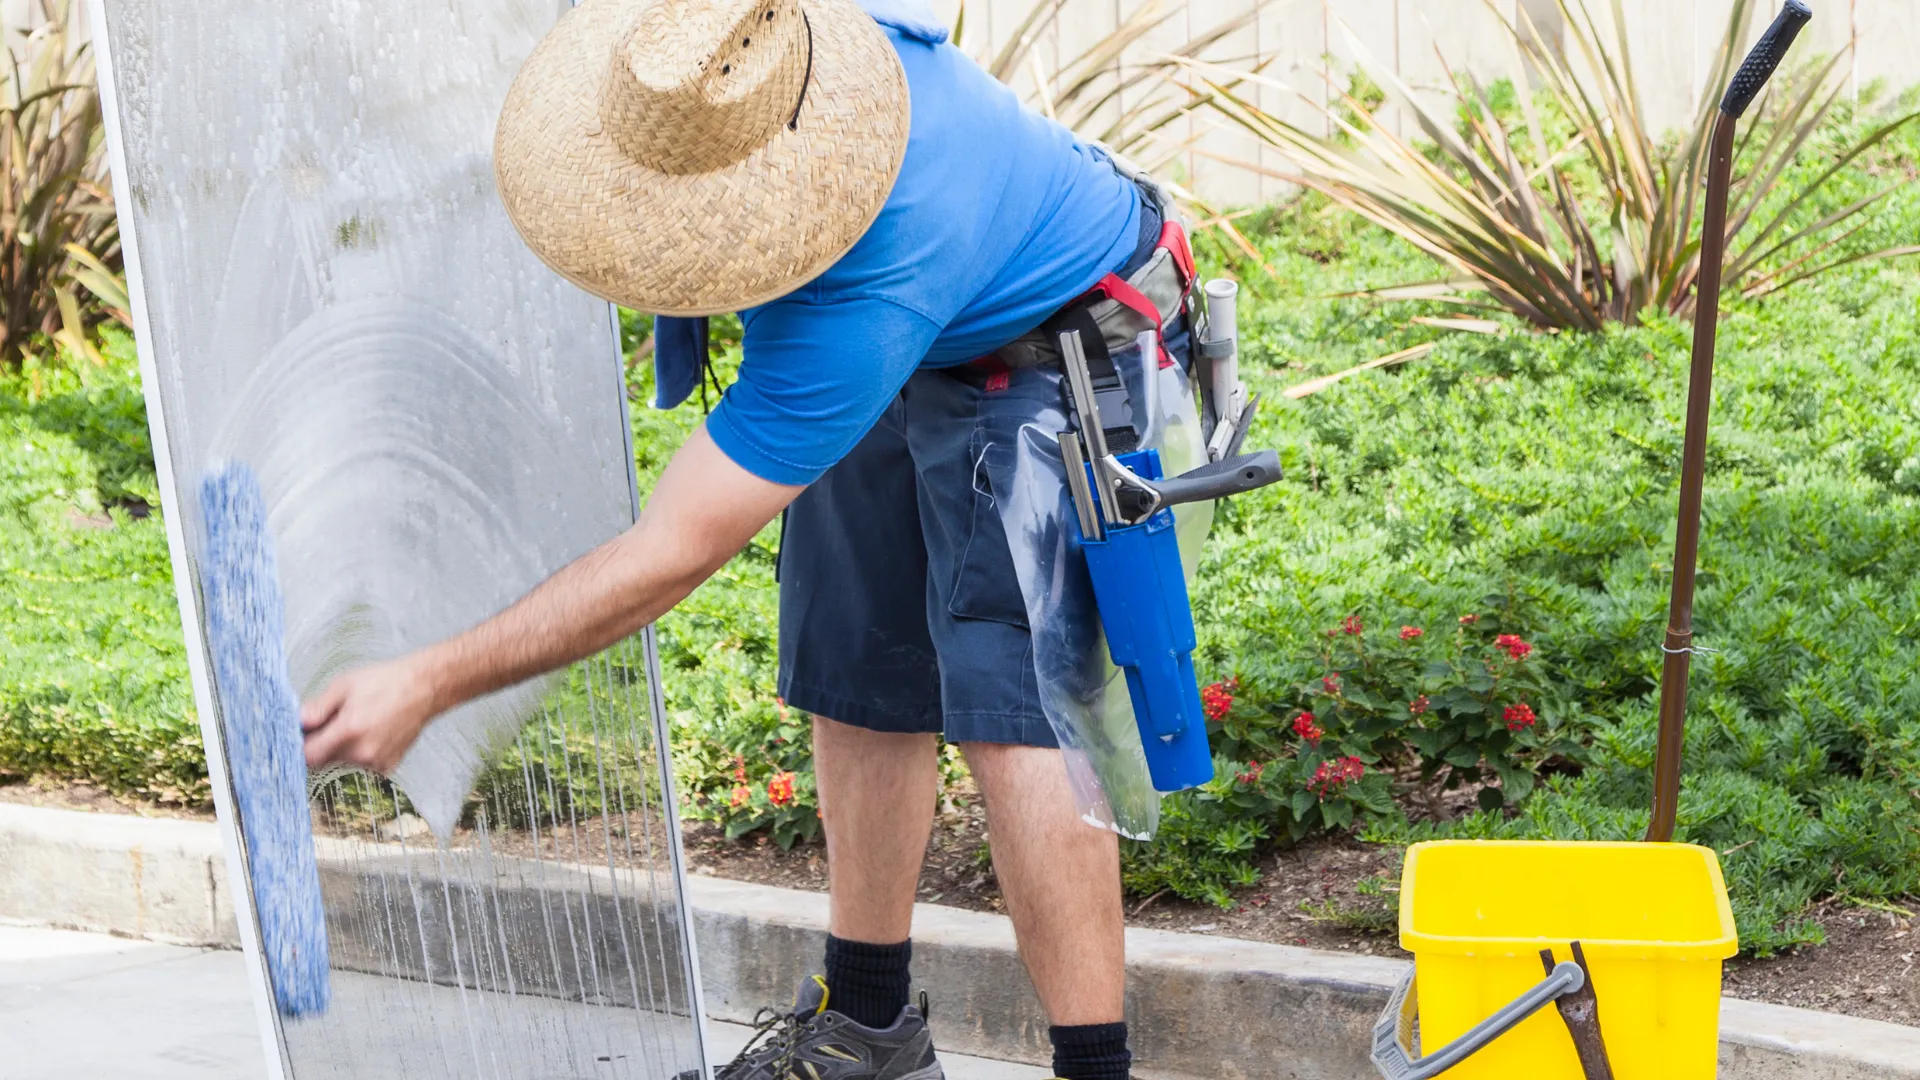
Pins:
<point x="1393" y="1034"/>
<point x="1765" y="57"/>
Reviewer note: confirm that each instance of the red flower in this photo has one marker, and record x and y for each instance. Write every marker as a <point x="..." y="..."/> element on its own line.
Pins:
<point x="1333" y="776"/>
<point x="1515" y="647"/>
<point x="1350" y="626"/>
<point x="1519" y="717"/>
<point x="1418" y="706"/>
<point x="741" y="796"/>
<point x="739" y="770"/>
<point x="1304" y="727"/>
<point x="1408" y="633"/>
<point x="1331" y="684"/>
<point x="1216" y="700"/>
<point x="1469" y="620"/>
<point x="1252" y="775"/>
<point x="780" y="788"/>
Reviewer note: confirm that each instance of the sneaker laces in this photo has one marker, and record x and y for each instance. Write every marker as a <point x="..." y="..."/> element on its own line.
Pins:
<point x="776" y="1038"/>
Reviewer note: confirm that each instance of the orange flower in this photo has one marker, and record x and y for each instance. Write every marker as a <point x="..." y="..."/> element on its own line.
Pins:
<point x="780" y="788"/>
<point x="741" y="796"/>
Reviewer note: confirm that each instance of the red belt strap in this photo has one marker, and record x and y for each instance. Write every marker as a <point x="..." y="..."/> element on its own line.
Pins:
<point x="1116" y="288"/>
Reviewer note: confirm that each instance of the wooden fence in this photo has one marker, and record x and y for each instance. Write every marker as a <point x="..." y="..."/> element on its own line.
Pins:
<point x="1307" y="44"/>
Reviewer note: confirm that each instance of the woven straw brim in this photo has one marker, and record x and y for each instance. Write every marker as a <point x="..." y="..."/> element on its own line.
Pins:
<point x="706" y="243"/>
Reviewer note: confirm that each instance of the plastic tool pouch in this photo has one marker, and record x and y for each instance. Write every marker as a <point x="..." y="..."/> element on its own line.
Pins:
<point x="1105" y="589"/>
<point x="1126" y="528"/>
<point x="1141" y="589"/>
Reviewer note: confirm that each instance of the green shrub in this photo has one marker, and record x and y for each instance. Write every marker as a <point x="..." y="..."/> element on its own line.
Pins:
<point x="1541" y="469"/>
<point x="1210" y="836"/>
<point x="1462" y="706"/>
<point x="1526" y="479"/>
<point x="93" y="681"/>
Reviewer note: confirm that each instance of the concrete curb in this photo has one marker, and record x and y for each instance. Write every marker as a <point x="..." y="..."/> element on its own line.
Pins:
<point x="1203" y="1006"/>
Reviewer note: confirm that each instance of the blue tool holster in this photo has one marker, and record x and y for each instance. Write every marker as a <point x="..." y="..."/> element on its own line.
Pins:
<point x="1125" y="525"/>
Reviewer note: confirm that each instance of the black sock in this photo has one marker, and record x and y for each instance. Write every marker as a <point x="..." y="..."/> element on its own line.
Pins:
<point x="1091" y="1052"/>
<point x="868" y="984"/>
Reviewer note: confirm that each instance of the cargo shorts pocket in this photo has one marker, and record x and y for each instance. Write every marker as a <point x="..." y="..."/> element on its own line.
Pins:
<point x="986" y="584"/>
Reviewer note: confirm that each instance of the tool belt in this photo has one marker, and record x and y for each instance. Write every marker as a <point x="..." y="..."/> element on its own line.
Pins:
<point x="1121" y="309"/>
<point x="1109" y="318"/>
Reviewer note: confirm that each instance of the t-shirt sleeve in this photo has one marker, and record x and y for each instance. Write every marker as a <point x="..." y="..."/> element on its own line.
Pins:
<point x="815" y="378"/>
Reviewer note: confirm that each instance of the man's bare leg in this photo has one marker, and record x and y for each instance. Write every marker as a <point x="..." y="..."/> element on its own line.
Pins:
<point x="877" y="797"/>
<point x="1061" y="879"/>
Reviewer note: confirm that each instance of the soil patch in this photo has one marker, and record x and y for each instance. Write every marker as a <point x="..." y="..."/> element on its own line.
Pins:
<point x="90" y="800"/>
<point x="1333" y="893"/>
<point x="1867" y="967"/>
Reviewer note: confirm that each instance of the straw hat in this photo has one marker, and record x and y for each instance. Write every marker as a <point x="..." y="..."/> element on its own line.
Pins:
<point x="694" y="157"/>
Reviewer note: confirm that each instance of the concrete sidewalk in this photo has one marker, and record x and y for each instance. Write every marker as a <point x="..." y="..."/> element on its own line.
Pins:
<point x="1203" y="1007"/>
<point x="77" y="1006"/>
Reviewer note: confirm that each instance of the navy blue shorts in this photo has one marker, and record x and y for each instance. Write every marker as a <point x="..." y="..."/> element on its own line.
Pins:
<point x="900" y="608"/>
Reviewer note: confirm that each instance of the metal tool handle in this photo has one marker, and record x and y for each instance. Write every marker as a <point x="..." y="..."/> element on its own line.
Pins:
<point x="1234" y="476"/>
<point x="1678" y="646"/>
<point x="1393" y="1033"/>
<point x="1765" y="58"/>
<point x="1221" y="383"/>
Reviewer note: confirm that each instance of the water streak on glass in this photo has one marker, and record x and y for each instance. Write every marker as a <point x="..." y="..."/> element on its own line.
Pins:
<point x="335" y="297"/>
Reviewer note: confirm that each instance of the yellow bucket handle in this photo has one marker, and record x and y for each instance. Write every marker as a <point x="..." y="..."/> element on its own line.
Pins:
<point x="1393" y="1034"/>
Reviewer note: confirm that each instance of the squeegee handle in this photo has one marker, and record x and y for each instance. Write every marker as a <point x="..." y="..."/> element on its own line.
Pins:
<point x="1765" y="57"/>
<point x="1234" y="476"/>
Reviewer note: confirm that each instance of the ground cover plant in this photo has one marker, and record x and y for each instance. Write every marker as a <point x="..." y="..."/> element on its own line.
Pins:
<point x="1527" y="481"/>
<point x="92" y="669"/>
<point x="1445" y="622"/>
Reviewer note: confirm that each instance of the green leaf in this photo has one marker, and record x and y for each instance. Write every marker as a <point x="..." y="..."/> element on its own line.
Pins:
<point x="1302" y="802"/>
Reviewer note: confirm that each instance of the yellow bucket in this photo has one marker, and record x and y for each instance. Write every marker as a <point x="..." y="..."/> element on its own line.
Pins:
<point x="1653" y="920"/>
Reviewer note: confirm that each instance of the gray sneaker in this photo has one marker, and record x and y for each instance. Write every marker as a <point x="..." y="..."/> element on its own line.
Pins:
<point x="812" y="1042"/>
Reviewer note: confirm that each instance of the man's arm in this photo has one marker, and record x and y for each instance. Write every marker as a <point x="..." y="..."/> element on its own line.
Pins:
<point x="704" y="509"/>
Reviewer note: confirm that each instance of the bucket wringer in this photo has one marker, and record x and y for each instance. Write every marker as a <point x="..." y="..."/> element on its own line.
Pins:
<point x="1632" y="935"/>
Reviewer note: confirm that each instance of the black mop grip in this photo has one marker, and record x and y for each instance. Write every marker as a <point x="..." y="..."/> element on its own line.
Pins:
<point x="1765" y="57"/>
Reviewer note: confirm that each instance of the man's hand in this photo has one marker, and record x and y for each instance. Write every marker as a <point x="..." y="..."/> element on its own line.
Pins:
<point x="368" y="718"/>
<point x="704" y="509"/>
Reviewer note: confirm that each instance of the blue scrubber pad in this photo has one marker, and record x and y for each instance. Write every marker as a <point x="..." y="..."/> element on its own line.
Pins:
<point x="245" y="616"/>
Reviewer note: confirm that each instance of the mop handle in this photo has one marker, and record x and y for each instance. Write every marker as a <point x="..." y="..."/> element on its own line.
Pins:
<point x="1678" y="647"/>
<point x="1765" y="57"/>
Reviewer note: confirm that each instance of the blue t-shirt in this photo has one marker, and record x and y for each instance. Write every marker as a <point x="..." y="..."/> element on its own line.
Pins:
<point x="998" y="219"/>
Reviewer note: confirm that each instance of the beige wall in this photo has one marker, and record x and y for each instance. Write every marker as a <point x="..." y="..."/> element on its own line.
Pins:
<point x="1672" y="43"/>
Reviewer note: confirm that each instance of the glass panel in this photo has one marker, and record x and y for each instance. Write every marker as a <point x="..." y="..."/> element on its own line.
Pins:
<point x="332" y="295"/>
